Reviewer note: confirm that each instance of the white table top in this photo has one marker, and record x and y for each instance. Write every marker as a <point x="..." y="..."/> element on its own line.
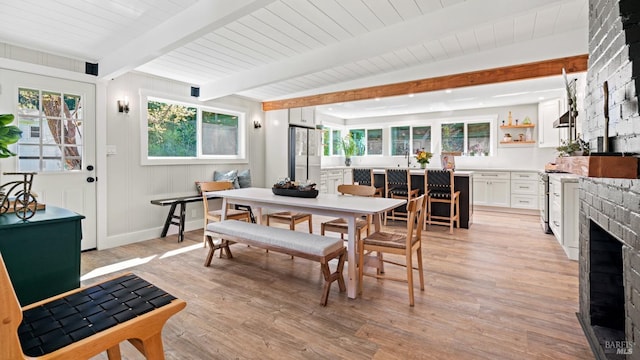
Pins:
<point x="335" y="203"/>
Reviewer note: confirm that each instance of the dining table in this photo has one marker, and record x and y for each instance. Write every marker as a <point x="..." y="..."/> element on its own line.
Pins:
<point x="333" y="205"/>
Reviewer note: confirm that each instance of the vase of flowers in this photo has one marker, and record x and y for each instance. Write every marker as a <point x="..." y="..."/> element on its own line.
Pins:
<point x="423" y="157"/>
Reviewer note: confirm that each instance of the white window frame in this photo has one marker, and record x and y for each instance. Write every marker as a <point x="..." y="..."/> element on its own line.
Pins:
<point x="491" y="119"/>
<point x="240" y="158"/>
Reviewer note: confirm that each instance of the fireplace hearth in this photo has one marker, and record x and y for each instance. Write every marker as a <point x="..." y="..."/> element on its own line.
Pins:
<point x="610" y="266"/>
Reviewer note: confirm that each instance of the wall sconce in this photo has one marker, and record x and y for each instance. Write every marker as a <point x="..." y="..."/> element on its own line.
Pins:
<point x="123" y="105"/>
<point x="257" y="124"/>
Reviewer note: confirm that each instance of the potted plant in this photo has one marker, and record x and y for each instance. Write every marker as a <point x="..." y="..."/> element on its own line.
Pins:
<point x="349" y="147"/>
<point x="9" y="134"/>
<point x="577" y="147"/>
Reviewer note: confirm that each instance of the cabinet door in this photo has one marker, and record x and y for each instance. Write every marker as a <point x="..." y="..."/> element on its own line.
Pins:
<point x="500" y="193"/>
<point x="480" y="192"/>
<point x="548" y="112"/>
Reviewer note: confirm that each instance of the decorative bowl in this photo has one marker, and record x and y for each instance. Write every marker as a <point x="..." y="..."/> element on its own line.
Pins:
<point x="295" y="193"/>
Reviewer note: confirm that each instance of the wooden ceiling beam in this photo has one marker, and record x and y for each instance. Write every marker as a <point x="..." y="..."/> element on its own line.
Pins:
<point x="532" y="70"/>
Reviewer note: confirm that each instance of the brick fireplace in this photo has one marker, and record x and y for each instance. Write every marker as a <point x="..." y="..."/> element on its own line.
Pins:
<point x="610" y="208"/>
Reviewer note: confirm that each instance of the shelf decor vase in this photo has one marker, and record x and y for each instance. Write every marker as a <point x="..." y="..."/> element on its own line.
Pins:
<point x="347" y="162"/>
<point x="423" y="165"/>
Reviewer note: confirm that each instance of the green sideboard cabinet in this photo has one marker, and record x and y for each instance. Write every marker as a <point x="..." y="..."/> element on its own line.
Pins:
<point x="42" y="254"/>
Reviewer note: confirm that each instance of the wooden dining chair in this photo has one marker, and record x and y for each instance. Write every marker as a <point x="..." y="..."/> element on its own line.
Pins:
<point x="364" y="176"/>
<point x="290" y="218"/>
<point x="398" y="186"/>
<point x="84" y="322"/>
<point x="439" y="187"/>
<point x="340" y="225"/>
<point x="399" y="244"/>
<point x="215" y="215"/>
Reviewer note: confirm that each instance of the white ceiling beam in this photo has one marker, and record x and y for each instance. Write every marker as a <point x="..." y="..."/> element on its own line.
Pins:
<point x="551" y="47"/>
<point x="431" y="26"/>
<point x="199" y="19"/>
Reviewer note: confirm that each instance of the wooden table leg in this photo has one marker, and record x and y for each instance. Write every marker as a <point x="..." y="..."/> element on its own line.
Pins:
<point x="183" y="212"/>
<point x="169" y="220"/>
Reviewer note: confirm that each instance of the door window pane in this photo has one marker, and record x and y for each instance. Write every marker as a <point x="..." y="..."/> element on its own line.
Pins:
<point x="400" y="140"/>
<point x="51" y="124"/>
<point x="374" y="141"/>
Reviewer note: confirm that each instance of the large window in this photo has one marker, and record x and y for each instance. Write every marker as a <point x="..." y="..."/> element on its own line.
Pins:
<point x="470" y="138"/>
<point x="51" y="124"/>
<point x="178" y="132"/>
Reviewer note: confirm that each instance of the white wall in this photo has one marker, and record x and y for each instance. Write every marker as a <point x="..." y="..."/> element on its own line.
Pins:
<point x="131" y="186"/>
<point x="525" y="157"/>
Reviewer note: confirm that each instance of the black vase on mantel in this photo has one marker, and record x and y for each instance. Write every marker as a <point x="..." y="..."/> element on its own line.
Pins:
<point x="347" y="161"/>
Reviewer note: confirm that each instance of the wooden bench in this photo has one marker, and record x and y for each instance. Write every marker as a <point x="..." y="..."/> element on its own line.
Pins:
<point x="308" y="246"/>
<point x="82" y="323"/>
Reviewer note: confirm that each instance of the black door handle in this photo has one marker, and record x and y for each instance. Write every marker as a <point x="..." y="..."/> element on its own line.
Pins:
<point x="90" y="179"/>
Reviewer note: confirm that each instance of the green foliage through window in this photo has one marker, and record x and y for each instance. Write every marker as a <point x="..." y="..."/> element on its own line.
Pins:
<point x="171" y="129"/>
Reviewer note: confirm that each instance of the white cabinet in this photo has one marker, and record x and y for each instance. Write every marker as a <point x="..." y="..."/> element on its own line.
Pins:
<point x="492" y="188"/>
<point x="524" y="190"/>
<point x="331" y="178"/>
<point x="548" y="112"/>
<point x="563" y="212"/>
<point x="304" y="116"/>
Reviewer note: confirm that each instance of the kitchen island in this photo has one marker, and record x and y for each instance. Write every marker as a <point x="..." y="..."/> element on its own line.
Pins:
<point x="463" y="182"/>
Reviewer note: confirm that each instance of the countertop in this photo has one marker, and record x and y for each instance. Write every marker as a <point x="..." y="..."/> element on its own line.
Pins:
<point x="564" y="177"/>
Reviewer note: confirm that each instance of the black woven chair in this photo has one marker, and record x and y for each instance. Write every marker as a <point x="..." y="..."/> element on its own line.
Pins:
<point x="440" y="189"/>
<point x="363" y="176"/>
<point x="398" y="186"/>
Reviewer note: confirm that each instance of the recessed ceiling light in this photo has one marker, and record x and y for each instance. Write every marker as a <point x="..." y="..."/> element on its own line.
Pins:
<point x="448" y="91"/>
<point x="541" y="98"/>
<point x="377" y="99"/>
<point x="411" y="95"/>
<point x="330" y="109"/>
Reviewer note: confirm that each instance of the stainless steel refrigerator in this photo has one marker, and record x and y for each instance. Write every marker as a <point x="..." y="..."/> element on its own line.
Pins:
<point x="304" y="154"/>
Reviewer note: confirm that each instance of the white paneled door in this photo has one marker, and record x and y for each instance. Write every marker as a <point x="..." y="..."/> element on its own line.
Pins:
<point x="57" y="119"/>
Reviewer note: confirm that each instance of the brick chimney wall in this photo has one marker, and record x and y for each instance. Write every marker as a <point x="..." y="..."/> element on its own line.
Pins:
<point x="614" y="43"/>
<point x="613" y="204"/>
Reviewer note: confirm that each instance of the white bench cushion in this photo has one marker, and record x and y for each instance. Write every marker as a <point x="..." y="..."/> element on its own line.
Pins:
<point x="303" y="242"/>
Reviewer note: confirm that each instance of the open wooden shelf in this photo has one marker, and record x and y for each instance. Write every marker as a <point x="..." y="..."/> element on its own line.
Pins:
<point x="514" y="142"/>
<point x="522" y="126"/>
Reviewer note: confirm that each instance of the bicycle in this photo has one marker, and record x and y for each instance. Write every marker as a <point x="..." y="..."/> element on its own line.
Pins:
<point x="24" y="202"/>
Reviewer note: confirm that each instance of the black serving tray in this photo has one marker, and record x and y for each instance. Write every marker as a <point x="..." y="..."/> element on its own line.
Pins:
<point x="295" y="193"/>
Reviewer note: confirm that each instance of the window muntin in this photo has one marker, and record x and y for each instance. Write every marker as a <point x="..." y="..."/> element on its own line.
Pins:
<point x="51" y="124"/>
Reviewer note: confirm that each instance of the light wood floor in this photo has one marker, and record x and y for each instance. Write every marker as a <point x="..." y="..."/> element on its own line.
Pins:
<point x="501" y="290"/>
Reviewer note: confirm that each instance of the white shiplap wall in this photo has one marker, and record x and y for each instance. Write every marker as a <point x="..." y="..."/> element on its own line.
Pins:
<point x="132" y="186"/>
